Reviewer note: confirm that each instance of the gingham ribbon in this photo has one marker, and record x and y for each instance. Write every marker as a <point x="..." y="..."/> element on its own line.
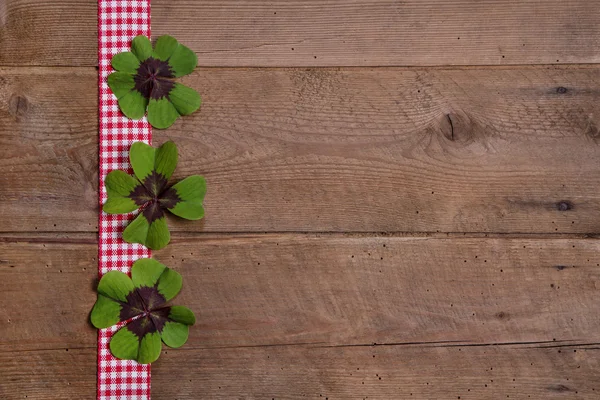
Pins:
<point x="119" y="21"/>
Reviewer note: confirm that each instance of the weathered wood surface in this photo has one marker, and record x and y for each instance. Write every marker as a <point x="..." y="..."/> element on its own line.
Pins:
<point x="322" y="290"/>
<point x="297" y="372"/>
<point x="287" y="316"/>
<point x="423" y="155"/>
<point x="317" y="33"/>
<point x="386" y="149"/>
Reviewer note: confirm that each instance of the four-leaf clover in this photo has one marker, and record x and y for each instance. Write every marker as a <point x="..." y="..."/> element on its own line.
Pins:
<point x="145" y="80"/>
<point x="150" y="191"/>
<point x="142" y="301"/>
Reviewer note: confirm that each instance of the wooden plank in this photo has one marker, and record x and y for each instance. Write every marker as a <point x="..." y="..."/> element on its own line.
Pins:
<point x="317" y="33"/>
<point x="48" y="32"/>
<point x="381" y="32"/>
<point x="49" y="374"/>
<point x="386" y="149"/>
<point x="48" y="149"/>
<point x="386" y="372"/>
<point x="322" y="290"/>
<point x="293" y="372"/>
<point x="47" y="290"/>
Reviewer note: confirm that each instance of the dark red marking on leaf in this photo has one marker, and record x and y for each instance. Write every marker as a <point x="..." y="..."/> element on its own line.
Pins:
<point x="149" y="303"/>
<point x="140" y="195"/>
<point x="154" y="196"/>
<point x="151" y="298"/>
<point x="154" y="79"/>
<point x="129" y="311"/>
<point x="160" y="317"/>
<point x="134" y="306"/>
<point x="155" y="184"/>
<point x="169" y="198"/>
<point x="141" y="326"/>
<point x="153" y="211"/>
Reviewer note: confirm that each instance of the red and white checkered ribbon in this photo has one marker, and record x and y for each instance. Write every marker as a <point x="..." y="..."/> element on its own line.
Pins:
<point x="119" y="21"/>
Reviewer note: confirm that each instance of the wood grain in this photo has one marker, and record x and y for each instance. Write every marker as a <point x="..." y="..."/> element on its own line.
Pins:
<point x="317" y="33"/>
<point x="48" y="149"/>
<point x="325" y="290"/>
<point x="381" y="32"/>
<point x="353" y="149"/>
<point x="296" y="294"/>
<point x="47" y="291"/>
<point x="296" y="372"/>
<point x="34" y="32"/>
<point x="386" y="372"/>
<point x="288" y="316"/>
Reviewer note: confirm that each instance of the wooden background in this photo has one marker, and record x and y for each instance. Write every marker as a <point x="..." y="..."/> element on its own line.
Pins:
<point x="404" y="199"/>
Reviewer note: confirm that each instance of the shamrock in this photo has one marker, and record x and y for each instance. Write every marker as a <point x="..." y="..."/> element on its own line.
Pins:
<point x="141" y="300"/>
<point x="153" y="168"/>
<point x="145" y="80"/>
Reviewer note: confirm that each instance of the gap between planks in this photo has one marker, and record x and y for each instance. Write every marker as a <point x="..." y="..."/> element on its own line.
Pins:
<point x="535" y="344"/>
<point x="92" y="237"/>
<point x="504" y="67"/>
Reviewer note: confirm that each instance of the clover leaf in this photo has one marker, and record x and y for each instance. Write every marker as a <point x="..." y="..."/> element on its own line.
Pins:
<point x="149" y="190"/>
<point x="145" y="80"/>
<point x="141" y="302"/>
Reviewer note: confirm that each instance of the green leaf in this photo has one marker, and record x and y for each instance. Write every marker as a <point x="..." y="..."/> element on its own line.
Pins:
<point x="150" y="273"/>
<point x="153" y="235"/>
<point x="175" y="334"/>
<point x="158" y="235"/>
<point x="125" y="62"/>
<point x="137" y="230"/>
<point x="133" y="105"/>
<point x="105" y="312"/>
<point x="169" y="284"/>
<point x="164" y="47"/>
<point x="150" y="347"/>
<point x="120" y="83"/>
<point x="161" y="113"/>
<point x="191" y="193"/>
<point x="142" y="158"/>
<point x="119" y="186"/>
<point x="182" y="315"/>
<point x="146" y="159"/>
<point x="166" y="159"/>
<point x="115" y="285"/>
<point x="125" y="344"/>
<point x="146" y="271"/>
<point x="183" y="61"/>
<point x="185" y="100"/>
<point x="153" y="167"/>
<point x="141" y="47"/>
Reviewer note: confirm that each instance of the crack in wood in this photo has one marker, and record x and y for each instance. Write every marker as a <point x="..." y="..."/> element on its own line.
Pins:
<point x="451" y="127"/>
<point x="319" y="345"/>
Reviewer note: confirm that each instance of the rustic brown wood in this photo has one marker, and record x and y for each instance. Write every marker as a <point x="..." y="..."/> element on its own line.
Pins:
<point x="48" y="32"/>
<point x="435" y="158"/>
<point x="49" y="374"/>
<point x="386" y="372"/>
<point x="386" y="149"/>
<point x="317" y="33"/>
<point x="47" y="292"/>
<point x="322" y="290"/>
<point x="48" y="151"/>
<point x="295" y="372"/>
<point x="381" y="32"/>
